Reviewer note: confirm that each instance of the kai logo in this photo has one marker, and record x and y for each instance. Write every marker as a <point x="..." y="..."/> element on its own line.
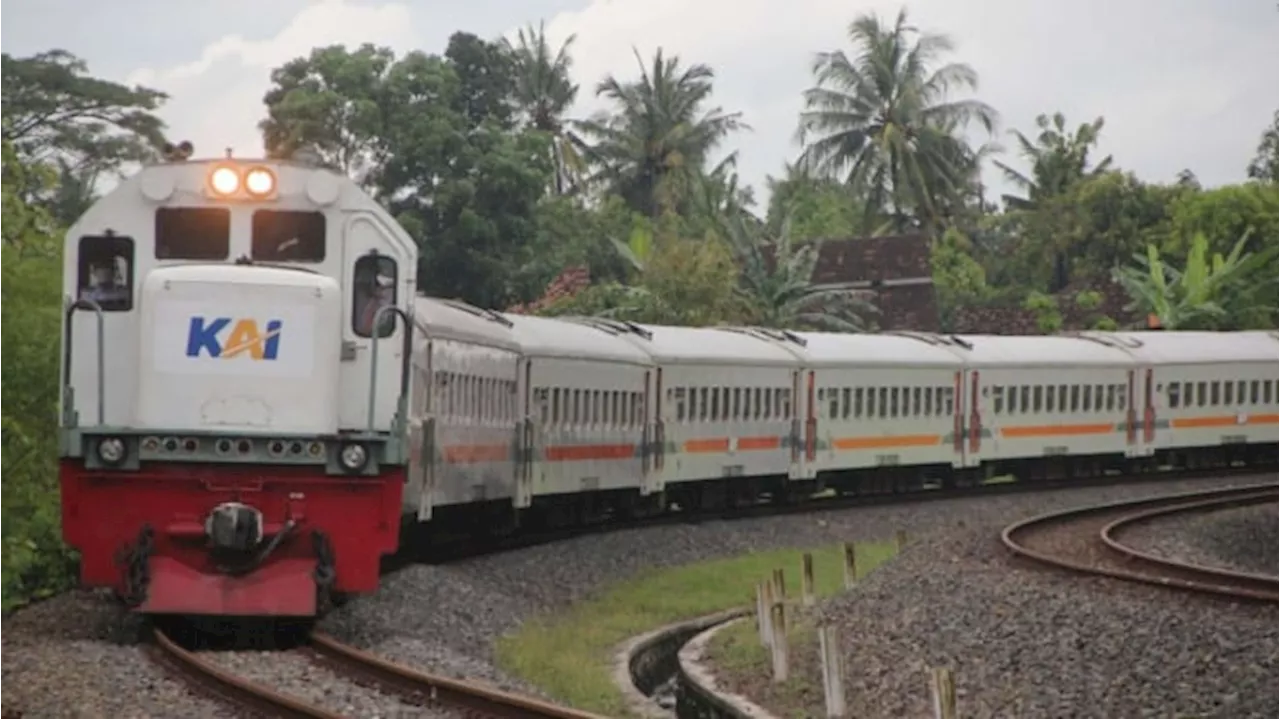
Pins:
<point x="245" y="339"/>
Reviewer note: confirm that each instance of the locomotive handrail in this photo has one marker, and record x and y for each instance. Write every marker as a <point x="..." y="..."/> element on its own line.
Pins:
<point x="69" y="394"/>
<point x="402" y="402"/>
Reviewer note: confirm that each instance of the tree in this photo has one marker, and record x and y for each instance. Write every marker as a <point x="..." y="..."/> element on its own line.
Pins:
<point x="486" y="80"/>
<point x="56" y="115"/>
<point x="334" y="103"/>
<point x="35" y="562"/>
<point x="660" y="133"/>
<point x="432" y="137"/>
<point x="1266" y="164"/>
<point x="1058" y="160"/>
<point x="883" y="121"/>
<point x="777" y="282"/>
<point x="685" y="282"/>
<point x="818" y="207"/>
<point x="1223" y="293"/>
<point x="543" y="94"/>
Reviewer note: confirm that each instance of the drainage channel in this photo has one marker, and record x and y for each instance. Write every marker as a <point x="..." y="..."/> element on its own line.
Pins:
<point x="650" y="673"/>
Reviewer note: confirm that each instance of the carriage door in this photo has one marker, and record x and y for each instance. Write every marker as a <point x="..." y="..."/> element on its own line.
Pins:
<point x="801" y="468"/>
<point x="377" y="269"/>
<point x="535" y="413"/>
<point x="654" y="462"/>
<point x="1149" y="410"/>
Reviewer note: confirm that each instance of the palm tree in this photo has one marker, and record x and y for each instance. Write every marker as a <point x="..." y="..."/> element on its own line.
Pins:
<point x="883" y="120"/>
<point x="1058" y="160"/>
<point x="777" y="281"/>
<point x="655" y="143"/>
<point x="543" y="95"/>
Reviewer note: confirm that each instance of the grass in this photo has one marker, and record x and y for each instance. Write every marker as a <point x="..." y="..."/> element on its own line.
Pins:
<point x="570" y="654"/>
<point x="741" y="661"/>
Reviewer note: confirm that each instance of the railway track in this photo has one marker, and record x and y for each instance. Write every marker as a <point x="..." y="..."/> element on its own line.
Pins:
<point x="1086" y="540"/>
<point x="441" y="695"/>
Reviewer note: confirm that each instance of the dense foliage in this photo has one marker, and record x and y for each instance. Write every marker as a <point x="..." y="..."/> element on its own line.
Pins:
<point x="637" y="213"/>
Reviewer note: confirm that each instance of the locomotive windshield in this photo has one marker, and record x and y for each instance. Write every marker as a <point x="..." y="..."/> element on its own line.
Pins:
<point x="288" y="236"/>
<point x="193" y="233"/>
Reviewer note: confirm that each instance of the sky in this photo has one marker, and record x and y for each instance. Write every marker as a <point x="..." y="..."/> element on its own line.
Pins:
<point x="1182" y="83"/>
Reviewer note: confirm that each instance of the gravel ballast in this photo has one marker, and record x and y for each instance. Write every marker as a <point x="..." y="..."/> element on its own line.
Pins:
<point x="64" y="658"/>
<point x="1025" y="641"/>
<point x="1243" y="539"/>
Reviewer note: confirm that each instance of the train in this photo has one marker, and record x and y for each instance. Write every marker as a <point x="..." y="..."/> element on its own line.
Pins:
<point x="258" y="405"/>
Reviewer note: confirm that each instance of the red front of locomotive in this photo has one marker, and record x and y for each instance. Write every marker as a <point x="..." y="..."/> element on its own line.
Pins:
<point x="238" y="540"/>
<point x="226" y="447"/>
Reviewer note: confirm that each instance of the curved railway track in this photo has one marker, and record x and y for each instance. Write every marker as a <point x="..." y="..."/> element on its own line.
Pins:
<point x="442" y="695"/>
<point x="1085" y="540"/>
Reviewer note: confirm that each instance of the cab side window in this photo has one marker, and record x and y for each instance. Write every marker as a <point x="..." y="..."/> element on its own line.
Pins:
<point x="374" y="285"/>
<point x="105" y="272"/>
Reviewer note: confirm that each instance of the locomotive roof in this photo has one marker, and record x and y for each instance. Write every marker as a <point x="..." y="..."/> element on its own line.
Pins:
<point x="1042" y="351"/>
<point x="1198" y="347"/>
<point x="456" y="320"/>
<point x="835" y="349"/>
<point x="547" y="337"/>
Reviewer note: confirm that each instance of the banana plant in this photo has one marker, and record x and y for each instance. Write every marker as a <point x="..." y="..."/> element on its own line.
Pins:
<point x="1198" y="295"/>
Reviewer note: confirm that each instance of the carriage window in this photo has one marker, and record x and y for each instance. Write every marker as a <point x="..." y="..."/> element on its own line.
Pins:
<point x="1253" y="391"/>
<point x="555" y="406"/>
<point x="949" y="398"/>
<point x="928" y="401"/>
<point x="105" y="272"/>
<point x="288" y="236"/>
<point x="1266" y="392"/>
<point x="833" y="403"/>
<point x="1050" y="392"/>
<point x="786" y="402"/>
<point x="1037" y="398"/>
<point x="1075" y="398"/>
<point x="737" y="403"/>
<point x="374" y="283"/>
<point x="1202" y="396"/>
<point x="678" y="393"/>
<point x="997" y="400"/>
<point x="193" y="233"/>
<point x="1215" y="393"/>
<point x="1111" y="397"/>
<point x="757" y="408"/>
<point x="915" y="401"/>
<point x="846" y="401"/>
<point x="1228" y="393"/>
<point x="1240" y="392"/>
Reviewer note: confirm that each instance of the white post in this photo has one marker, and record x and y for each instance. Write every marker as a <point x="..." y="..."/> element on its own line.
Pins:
<point x="766" y="614"/>
<point x="806" y="580"/>
<point x="944" y="694"/>
<point x="832" y="671"/>
<point x="779" y="643"/>
<point x="850" y="565"/>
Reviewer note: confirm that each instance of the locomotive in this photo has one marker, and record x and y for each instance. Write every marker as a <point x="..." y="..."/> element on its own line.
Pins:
<point x="226" y="448"/>
<point x="256" y="402"/>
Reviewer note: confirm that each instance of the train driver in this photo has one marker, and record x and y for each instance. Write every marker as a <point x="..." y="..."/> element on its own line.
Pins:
<point x="375" y="294"/>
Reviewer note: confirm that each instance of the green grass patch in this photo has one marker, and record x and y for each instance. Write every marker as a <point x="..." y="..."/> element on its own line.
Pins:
<point x="570" y="654"/>
<point x="744" y="664"/>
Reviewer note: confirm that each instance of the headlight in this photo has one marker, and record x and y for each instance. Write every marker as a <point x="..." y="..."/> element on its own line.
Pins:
<point x="111" y="450"/>
<point x="259" y="182"/>
<point x="352" y="457"/>
<point x="224" y="181"/>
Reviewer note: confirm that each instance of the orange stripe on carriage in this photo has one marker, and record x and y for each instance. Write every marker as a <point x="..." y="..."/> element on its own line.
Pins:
<point x="470" y="453"/>
<point x="581" y="452"/>
<point x="758" y="443"/>
<point x="1222" y="420"/>
<point x="885" y="442"/>
<point x="1057" y="430"/>
<point x="707" y="446"/>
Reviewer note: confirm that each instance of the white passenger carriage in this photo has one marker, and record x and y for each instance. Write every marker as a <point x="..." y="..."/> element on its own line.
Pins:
<point x="586" y="391"/>
<point x="728" y="407"/>
<point x="464" y="407"/>
<point x="1042" y="397"/>
<point x="884" y="401"/>
<point x="1204" y="389"/>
